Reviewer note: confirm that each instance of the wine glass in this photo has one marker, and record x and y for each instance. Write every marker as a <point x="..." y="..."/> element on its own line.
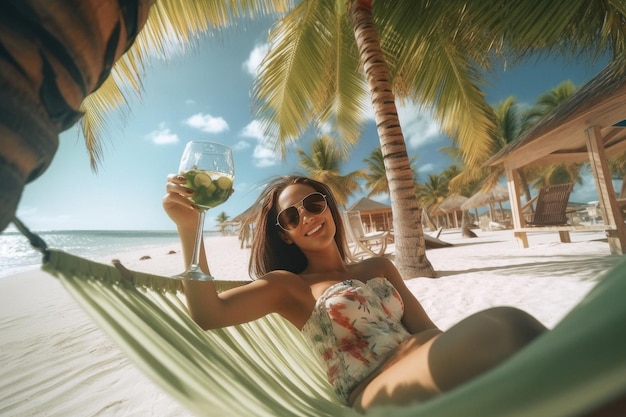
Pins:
<point x="209" y="170"/>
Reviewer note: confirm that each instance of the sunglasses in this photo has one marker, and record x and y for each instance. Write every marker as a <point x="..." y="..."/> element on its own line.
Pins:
<point x="289" y="218"/>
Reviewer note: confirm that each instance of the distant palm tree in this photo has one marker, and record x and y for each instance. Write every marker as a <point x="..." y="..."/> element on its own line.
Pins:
<point x="376" y="177"/>
<point x="432" y="192"/>
<point x="324" y="165"/>
<point x="544" y="105"/>
<point x="560" y="174"/>
<point x="377" y="181"/>
<point x="508" y="121"/>
<point x="547" y="102"/>
<point x="617" y="165"/>
<point x="510" y="124"/>
<point x="221" y="219"/>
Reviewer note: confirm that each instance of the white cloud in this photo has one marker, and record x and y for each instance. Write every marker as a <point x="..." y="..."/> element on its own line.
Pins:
<point x="162" y="136"/>
<point x="241" y="145"/>
<point x="253" y="130"/>
<point x="426" y="168"/>
<point x="418" y="126"/>
<point x="190" y="101"/>
<point x="251" y="65"/>
<point x="207" y="123"/>
<point x="263" y="155"/>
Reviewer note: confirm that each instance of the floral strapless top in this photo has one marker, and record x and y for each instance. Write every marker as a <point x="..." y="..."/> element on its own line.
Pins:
<point x="354" y="327"/>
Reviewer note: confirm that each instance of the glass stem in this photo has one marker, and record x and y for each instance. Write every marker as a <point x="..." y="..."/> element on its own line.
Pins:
<point x="195" y="257"/>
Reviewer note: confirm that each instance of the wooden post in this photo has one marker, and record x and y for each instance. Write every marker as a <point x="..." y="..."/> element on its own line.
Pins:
<point x="516" y="205"/>
<point x="616" y="232"/>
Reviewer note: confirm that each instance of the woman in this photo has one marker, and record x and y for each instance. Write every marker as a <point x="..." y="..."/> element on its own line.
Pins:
<point x="374" y="338"/>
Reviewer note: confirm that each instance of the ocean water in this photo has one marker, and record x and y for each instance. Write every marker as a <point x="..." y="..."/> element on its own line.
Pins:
<point x="16" y="254"/>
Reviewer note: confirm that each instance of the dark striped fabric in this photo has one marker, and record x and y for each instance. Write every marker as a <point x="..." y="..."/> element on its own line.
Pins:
<point x="53" y="53"/>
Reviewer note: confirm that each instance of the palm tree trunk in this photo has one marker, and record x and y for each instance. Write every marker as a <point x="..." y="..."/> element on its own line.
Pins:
<point x="410" y="248"/>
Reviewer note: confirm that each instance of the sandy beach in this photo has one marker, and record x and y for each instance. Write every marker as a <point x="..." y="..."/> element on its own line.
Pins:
<point x="56" y="362"/>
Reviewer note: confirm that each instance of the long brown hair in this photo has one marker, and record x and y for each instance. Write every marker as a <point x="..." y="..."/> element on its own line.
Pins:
<point x="269" y="252"/>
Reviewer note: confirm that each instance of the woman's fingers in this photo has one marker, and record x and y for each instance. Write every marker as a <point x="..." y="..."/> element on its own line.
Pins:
<point x="175" y="184"/>
<point x="175" y="178"/>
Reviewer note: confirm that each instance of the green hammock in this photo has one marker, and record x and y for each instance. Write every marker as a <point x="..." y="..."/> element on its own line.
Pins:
<point x="265" y="368"/>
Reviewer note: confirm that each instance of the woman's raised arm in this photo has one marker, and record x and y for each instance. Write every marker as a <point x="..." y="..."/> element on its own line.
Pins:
<point x="206" y="307"/>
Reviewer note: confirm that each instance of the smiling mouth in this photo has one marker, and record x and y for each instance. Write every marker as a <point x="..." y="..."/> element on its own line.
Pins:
<point x="315" y="229"/>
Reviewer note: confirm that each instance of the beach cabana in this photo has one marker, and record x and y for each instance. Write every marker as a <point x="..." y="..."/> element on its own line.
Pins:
<point x="589" y="126"/>
<point x="375" y="216"/>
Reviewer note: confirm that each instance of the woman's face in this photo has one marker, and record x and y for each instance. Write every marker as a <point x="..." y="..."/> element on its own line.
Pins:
<point x="312" y="230"/>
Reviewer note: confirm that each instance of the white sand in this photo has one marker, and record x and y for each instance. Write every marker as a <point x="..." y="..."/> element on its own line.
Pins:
<point x="55" y="362"/>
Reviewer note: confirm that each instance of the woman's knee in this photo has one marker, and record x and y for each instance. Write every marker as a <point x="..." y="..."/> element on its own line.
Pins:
<point x="479" y="343"/>
<point x="514" y="327"/>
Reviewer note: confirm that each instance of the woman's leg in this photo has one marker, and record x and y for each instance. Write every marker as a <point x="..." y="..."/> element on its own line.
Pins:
<point x="422" y="370"/>
<point x="479" y="343"/>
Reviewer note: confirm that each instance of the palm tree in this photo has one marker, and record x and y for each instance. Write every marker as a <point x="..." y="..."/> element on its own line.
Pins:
<point x="221" y="219"/>
<point x="617" y="165"/>
<point x="559" y="174"/>
<point x="432" y="192"/>
<point x="544" y="105"/>
<point x="324" y="164"/>
<point x="376" y="175"/>
<point x="431" y="52"/>
<point x="547" y="102"/>
<point x="508" y="126"/>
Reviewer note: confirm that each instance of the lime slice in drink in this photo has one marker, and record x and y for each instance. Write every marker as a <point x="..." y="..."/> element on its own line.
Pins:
<point x="224" y="183"/>
<point x="202" y="180"/>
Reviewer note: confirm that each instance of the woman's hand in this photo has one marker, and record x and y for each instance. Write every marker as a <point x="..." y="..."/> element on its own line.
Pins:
<point x="177" y="205"/>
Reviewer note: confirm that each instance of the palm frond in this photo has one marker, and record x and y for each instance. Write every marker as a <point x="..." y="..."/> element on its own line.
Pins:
<point x="345" y="94"/>
<point x="310" y="75"/>
<point x="170" y="23"/>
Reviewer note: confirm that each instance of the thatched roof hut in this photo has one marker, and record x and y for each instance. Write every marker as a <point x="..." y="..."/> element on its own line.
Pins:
<point x="374" y="215"/>
<point x="589" y="126"/>
<point x="561" y="136"/>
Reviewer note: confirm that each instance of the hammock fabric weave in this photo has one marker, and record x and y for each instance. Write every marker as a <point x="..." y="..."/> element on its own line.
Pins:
<point x="265" y="368"/>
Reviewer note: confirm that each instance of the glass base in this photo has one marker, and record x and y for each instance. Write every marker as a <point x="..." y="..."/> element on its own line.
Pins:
<point x="194" y="275"/>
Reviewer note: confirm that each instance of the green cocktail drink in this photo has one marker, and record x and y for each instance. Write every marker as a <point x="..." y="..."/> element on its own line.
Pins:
<point x="210" y="188"/>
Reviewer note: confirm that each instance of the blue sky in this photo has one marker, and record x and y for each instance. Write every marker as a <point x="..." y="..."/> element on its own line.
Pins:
<point x="204" y="94"/>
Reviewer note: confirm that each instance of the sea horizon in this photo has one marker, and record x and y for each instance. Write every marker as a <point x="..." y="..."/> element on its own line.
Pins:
<point x="17" y="255"/>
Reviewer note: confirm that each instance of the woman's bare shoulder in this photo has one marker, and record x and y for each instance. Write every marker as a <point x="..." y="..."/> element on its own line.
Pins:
<point x="373" y="268"/>
<point x="283" y="280"/>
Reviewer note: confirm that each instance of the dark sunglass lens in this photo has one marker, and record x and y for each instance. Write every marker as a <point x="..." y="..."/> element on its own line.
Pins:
<point x="314" y="203"/>
<point x="289" y="218"/>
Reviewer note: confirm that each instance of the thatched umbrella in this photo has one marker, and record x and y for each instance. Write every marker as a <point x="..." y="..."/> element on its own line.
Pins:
<point x="246" y="220"/>
<point x="497" y="194"/>
<point x="452" y="204"/>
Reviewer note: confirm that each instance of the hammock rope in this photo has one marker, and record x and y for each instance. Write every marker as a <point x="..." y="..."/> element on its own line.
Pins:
<point x="265" y="368"/>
